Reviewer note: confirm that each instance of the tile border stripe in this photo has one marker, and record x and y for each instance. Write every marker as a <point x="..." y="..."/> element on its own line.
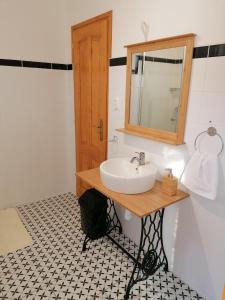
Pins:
<point x="217" y="50"/>
<point x="118" y="61"/>
<point x="199" y="52"/>
<point x="10" y="62"/>
<point x="34" y="64"/>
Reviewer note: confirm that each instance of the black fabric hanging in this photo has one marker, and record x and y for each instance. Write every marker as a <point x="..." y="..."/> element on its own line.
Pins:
<point x="93" y="210"/>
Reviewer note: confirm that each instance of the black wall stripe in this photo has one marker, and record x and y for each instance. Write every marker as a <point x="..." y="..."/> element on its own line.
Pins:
<point x="118" y="61"/>
<point x="199" y="52"/>
<point x="10" y="62"/>
<point x="70" y="67"/>
<point x="217" y="50"/>
<point x="34" y="64"/>
<point x="59" y="67"/>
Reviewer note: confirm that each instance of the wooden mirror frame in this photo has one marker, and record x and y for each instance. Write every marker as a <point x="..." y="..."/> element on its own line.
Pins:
<point x="177" y="137"/>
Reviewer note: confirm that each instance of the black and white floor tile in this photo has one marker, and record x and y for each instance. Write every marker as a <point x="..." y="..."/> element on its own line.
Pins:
<point x="54" y="268"/>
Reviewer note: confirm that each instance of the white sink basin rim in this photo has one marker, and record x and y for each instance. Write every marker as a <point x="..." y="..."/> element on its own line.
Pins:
<point x="122" y="176"/>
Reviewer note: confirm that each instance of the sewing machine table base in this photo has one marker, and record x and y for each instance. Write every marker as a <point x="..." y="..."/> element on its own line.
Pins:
<point x="151" y="254"/>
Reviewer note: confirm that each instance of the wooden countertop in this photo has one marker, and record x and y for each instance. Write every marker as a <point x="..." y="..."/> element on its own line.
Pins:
<point x="140" y="204"/>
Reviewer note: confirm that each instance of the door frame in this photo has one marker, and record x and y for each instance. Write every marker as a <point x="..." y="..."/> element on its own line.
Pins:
<point x="108" y="17"/>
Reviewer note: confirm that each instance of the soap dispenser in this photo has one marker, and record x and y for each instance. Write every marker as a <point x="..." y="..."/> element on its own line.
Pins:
<point x="169" y="183"/>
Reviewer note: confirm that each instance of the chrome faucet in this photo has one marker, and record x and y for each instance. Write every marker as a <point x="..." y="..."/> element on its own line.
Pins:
<point x="140" y="159"/>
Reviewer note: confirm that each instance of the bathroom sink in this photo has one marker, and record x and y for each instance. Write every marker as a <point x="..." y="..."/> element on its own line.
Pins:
<point x="122" y="176"/>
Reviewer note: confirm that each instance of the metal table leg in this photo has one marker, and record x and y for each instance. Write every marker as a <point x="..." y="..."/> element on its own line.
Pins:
<point x="151" y="254"/>
<point x="112" y="218"/>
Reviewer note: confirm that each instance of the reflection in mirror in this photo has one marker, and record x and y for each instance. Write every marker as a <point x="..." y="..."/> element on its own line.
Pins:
<point x="156" y="88"/>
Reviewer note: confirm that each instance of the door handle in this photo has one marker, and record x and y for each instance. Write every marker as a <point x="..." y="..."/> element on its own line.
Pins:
<point x="100" y="129"/>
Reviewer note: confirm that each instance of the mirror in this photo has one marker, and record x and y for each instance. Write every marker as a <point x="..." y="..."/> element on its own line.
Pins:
<point x="155" y="88"/>
<point x="158" y="74"/>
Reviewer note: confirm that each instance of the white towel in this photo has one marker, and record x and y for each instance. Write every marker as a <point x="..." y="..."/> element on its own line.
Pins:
<point x="201" y="175"/>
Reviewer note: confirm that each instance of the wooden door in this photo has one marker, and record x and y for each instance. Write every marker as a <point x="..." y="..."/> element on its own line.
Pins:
<point x="91" y="50"/>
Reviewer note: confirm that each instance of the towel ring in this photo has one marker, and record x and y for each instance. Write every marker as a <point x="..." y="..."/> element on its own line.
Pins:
<point x="211" y="132"/>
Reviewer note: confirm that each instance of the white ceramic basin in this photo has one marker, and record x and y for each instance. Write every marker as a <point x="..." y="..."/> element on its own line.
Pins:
<point x="119" y="175"/>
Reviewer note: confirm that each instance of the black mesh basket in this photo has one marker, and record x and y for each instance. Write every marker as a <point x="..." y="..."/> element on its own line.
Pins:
<point x="93" y="211"/>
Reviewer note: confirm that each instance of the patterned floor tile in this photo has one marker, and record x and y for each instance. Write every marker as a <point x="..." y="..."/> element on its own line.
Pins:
<point x="54" y="268"/>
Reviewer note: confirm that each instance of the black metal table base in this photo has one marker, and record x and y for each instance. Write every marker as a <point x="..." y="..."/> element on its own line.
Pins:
<point x="151" y="254"/>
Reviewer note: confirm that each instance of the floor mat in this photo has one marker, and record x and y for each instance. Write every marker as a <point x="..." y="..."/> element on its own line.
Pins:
<point x="13" y="234"/>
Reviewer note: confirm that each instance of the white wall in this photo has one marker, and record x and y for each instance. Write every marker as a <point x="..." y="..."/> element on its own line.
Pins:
<point x="33" y="30"/>
<point x="203" y="221"/>
<point x="166" y="18"/>
<point x="194" y="229"/>
<point x="36" y="108"/>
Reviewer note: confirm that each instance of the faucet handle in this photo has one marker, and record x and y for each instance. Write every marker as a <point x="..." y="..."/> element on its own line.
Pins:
<point x="141" y="157"/>
<point x="141" y="154"/>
